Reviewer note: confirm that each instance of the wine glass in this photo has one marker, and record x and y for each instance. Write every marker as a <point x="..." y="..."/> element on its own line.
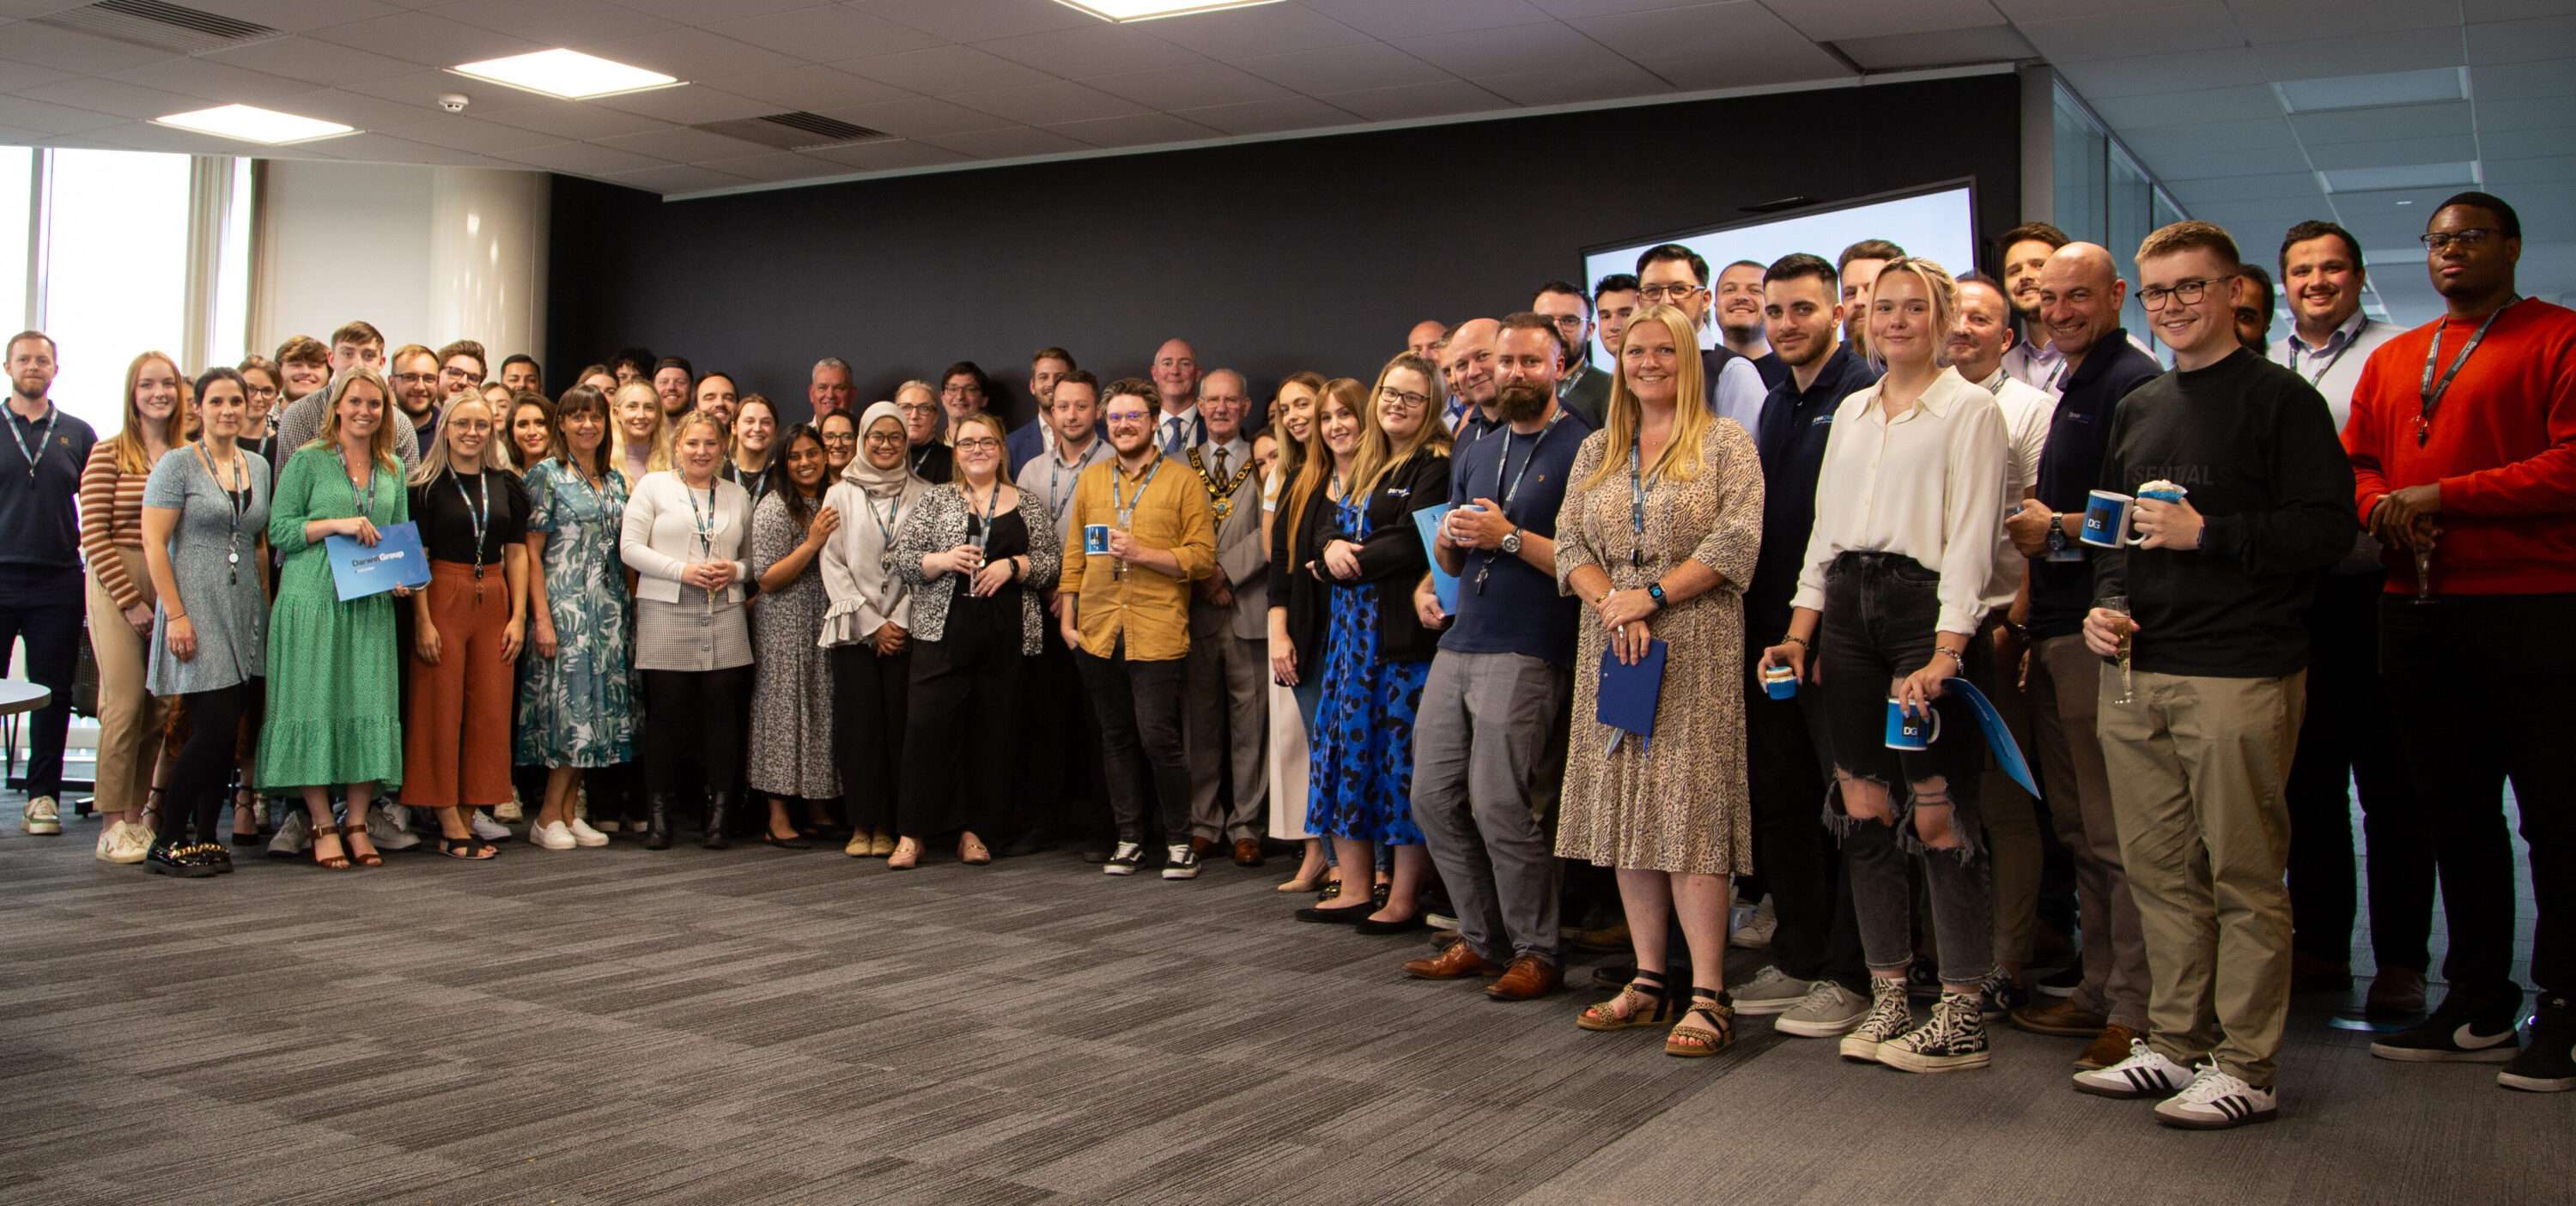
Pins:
<point x="2119" y="605"/>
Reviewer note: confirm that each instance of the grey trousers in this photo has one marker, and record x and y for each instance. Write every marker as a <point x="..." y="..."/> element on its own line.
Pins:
<point x="1480" y="739"/>
<point x="1227" y="726"/>
<point x="2065" y="686"/>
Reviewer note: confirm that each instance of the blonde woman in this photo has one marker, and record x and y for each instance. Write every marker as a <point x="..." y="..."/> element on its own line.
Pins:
<point x="130" y="719"/>
<point x="643" y="442"/>
<point x="467" y="629"/>
<point x="1295" y="500"/>
<point x="335" y="719"/>
<point x="687" y="536"/>
<point x="753" y="463"/>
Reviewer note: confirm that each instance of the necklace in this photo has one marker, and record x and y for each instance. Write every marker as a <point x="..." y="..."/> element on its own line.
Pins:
<point x="1220" y="491"/>
<point x="239" y="497"/>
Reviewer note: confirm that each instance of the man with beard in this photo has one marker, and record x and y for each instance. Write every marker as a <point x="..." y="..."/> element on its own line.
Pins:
<point x="1047" y="366"/>
<point x="1858" y="267"/>
<point x="1674" y="275"/>
<point x="1614" y="302"/>
<point x="1228" y="722"/>
<point x="40" y="564"/>
<point x="521" y="375"/>
<point x="2031" y="360"/>
<point x="1177" y="425"/>
<point x="1739" y="320"/>
<point x="1580" y="387"/>
<point x="416" y="376"/>
<point x="1127" y="618"/>
<point x="1485" y="731"/>
<point x="355" y="345"/>
<point x="672" y="379"/>
<point x="1816" y="982"/>
<point x="2252" y="308"/>
<point x="828" y="388"/>
<point x="1064" y="737"/>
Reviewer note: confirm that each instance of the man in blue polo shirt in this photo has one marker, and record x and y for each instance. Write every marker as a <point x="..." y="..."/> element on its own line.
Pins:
<point x="40" y="566"/>
<point x="1482" y="733"/>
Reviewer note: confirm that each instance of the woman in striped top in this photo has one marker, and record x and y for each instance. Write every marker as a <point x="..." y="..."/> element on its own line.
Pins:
<point x="130" y="720"/>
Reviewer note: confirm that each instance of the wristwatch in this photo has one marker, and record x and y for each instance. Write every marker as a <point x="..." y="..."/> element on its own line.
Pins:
<point x="2057" y="531"/>
<point x="1512" y="542"/>
<point x="1655" y="591"/>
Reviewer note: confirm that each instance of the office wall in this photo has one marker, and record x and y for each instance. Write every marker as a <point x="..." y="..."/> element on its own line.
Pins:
<point x="428" y="254"/>
<point x="1269" y="257"/>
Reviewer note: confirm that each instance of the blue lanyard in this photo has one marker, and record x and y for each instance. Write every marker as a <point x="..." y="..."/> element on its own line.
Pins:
<point x="2330" y="361"/>
<point x="992" y="499"/>
<point x="704" y="521"/>
<point x="481" y="520"/>
<point x="1503" y="495"/>
<point x="53" y="415"/>
<point x="1636" y="502"/>
<point x="1127" y="509"/>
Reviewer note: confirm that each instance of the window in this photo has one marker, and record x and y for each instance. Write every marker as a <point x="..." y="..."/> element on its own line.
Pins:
<point x="2081" y="162"/>
<point x="17" y="197"/>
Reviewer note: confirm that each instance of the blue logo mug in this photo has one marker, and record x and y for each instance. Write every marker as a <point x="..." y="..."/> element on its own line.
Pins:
<point x="1780" y="682"/>
<point x="1095" y="539"/>
<point x="1912" y="732"/>
<point x="2106" y="519"/>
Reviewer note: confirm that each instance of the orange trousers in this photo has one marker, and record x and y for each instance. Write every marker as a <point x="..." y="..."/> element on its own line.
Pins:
<point x="456" y="727"/>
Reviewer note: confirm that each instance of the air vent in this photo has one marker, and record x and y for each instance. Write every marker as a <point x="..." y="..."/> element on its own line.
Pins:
<point x="797" y="131"/>
<point x="172" y="27"/>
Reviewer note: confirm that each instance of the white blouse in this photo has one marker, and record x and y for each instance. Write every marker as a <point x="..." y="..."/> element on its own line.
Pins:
<point x="865" y="594"/>
<point x="1929" y="485"/>
<point x="661" y="534"/>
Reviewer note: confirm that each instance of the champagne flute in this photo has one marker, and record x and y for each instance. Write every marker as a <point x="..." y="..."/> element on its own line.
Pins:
<point x="2119" y="605"/>
<point x="2424" y="567"/>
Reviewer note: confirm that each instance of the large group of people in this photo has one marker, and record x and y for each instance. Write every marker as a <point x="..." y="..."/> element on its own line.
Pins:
<point x="1497" y="639"/>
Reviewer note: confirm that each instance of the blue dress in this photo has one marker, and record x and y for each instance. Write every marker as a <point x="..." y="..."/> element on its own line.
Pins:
<point x="577" y="708"/>
<point x="1361" y="769"/>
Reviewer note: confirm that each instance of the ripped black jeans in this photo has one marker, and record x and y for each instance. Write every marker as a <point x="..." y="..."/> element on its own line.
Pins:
<point x="1879" y="613"/>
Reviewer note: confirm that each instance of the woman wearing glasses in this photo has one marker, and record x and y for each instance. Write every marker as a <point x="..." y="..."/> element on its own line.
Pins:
<point x="923" y="423"/>
<point x="688" y="539"/>
<point x="977" y="554"/>
<point x="840" y="432"/>
<point x="868" y="627"/>
<point x="1376" y="652"/>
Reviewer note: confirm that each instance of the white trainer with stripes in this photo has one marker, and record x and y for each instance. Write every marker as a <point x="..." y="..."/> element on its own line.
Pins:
<point x="2215" y="1101"/>
<point x="2143" y="1074"/>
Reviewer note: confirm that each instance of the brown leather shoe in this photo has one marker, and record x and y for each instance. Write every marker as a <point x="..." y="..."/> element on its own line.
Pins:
<point x="2064" y="1018"/>
<point x="2395" y="992"/>
<point x="1457" y="961"/>
<point x="1527" y="979"/>
<point x="1203" y="847"/>
<point x="1247" y="852"/>
<point x="2108" y="1048"/>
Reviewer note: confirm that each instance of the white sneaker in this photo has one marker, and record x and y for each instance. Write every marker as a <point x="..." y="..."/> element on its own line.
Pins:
<point x="1769" y="991"/>
<point x="2143" y="1074"/>
<point x="119" y="842"/>
<point x="583" y="834"/>
<point x="43" y="816"/>
<point x="389" y="827"/>
<point x="2215" y="1101"/>
<point x="490" y="830"/>
<point x="1829" y="1010"/>
<point x="293" y="836"/>
<point x="1754" y="934"/>
<point x="550" y="836"/>
<point x="508" y="810"/>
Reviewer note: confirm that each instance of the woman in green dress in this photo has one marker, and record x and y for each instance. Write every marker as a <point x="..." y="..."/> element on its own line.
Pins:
<point x="334" y="718"/>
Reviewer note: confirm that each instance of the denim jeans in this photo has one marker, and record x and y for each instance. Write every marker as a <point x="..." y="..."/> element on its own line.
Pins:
<point x="1878" y="618"/>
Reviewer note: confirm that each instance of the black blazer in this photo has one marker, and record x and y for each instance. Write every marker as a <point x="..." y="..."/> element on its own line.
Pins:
<point x="1294" y="589"/>
<point x="1392" y="559"/>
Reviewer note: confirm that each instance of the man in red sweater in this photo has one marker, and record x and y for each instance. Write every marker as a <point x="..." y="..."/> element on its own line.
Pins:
<point x="2463" y="444"/>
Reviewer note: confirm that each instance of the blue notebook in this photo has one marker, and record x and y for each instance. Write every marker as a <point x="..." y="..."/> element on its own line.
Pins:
<point x="1443" y="583"/>
<point x="397" y="560"/>
<point x="1628" y="694"/>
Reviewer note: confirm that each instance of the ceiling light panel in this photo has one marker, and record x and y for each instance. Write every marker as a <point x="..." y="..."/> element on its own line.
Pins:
<point x="249" y="123"/>
<point x="2410" y="175"/>
<point x="1147" y="10"/>
<point x="568" y="74"/>
<point x="2369" y="91"/>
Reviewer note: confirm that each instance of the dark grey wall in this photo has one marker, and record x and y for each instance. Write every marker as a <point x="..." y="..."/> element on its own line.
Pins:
<point x="1268" y="257"/>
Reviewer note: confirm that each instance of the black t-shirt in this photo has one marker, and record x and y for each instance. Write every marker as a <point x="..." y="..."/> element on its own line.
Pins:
<point x="934" y="461"/>
<point x="1010" y="539"/>
<point x="445" y="510"/>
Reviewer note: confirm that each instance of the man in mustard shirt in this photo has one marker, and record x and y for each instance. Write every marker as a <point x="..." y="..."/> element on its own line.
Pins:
<point x="1136" y="538"/>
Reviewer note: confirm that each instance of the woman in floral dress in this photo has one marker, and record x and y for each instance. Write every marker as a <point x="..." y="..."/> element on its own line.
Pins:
<point x="576" y="702"/>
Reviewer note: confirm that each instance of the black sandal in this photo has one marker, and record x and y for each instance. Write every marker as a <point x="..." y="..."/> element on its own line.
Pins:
<point x="243" y="798"/>
<point x="1693" y="1041"/>
<point x="1655" y="1010"/>
<point x="468" y="849"/>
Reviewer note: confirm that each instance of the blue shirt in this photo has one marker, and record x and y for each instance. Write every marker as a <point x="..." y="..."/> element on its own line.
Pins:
<point x="2079" y="433"/>
<point x="1791" y="438"/>
<point x="40" y="512"/>
<point x="1518" y="609"/>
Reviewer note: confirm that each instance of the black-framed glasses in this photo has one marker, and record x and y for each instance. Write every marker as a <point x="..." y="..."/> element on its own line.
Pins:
<point x="2187" y="292"/>
<point x="1403" y="397"/>
<point x="978" y="444"/>
<point x="843" y="437"/>
<point x="2466" y="240"/>
<point x="880" y="437"/>
<point x="1676" y="294"/>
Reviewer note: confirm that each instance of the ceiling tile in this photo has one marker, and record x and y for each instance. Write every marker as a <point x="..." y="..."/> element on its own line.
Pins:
<point x="421" y="89"/>
<point x="584" y="158"/>
<point x="68" y="51"/>
<point x="2529" y="144"/>
<point x="2500" y="173"/>
<point x="944" y="70"/>
<point x="1714" y="46"/>
<point x="209" y="80"/>
<point x="2383" y="121"/>
<point x="1433" y="98"/>
<point x="2299" y="20"/>
<point x="314" y="61"/>
<point x="2178" y="29"/>
<point x="1939" y="48"/>
<point x="918" y="117"/>
<point x="574" y="23"/>
<point x="978" y="20"/>
<point x="16" y="75"/>
<point x="688" y="105"/>
<point x="1342" y="68"/>
<point x="690" y="53"/>
<point x="1049" y="103"/>
<point x="52" y="119"/>
<point x="1141" y="129"/>
<point x="564" y="119"/>
<point x="777" y="166"/>
<point x="1569" y="88"/>
<point x="2209" y="162"/>
<point x="2456" y="149"/>
<point x="352" y="108"/>
<point x="2520" y="81"/>
<point x="697" y="12"/>
<point x="379" y="148"/>
<point x="2189" y="108"/>
<point x="296" y="16"/>
<point x="2543" y="113"/>
<point x="1887" y="18"/>
<point x="426" y="40"/>
<point x="1568" y="10"/>
<point x="681" y="144"/>
<point x="1391" y="19"/>
<point x="111" y="96"/>
<point x="462" y="133"/>
<point x="2151" y="74"/>
<point x="1190" y="86"/>
<point x="890" y="156"/>
<point x="814" y="88"/>
<point x="2523" y="41"/>
<point x="678" y="178"/>
<point x="1516" y="49"/>
<point x="2359" y="54"/>
<point x="2171" y="142"/>
<point x="825" y="33"/>
<point x="1246" y="33"/>
<point x="1009" y="142"/>
<point x="1269" y="117"/>
<point x="2270" y="186"/>
<point x="1098" y="49"/>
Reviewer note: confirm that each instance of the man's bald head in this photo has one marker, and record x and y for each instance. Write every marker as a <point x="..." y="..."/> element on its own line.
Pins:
<point x="1424" y="339"/>
<point x="2080" y="294"/>
<point x="1176" y="375"/>
<point x="1467" y="360"/>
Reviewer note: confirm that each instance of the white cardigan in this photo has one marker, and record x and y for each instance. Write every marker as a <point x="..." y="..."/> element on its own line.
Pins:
<point x="661" y="537"/>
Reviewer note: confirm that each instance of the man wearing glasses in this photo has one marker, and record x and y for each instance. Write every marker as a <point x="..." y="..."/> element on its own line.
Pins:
<point x="462" y="369"/>
<point x="1676" y="276"/>
<point x="2460" y="453"/>
<point x="1581" y="388"/>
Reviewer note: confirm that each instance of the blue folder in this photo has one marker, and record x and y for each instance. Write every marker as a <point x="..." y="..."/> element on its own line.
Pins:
<point x="1998" y="735"/>
<point x="1443" y="583"/>
<point x="1628" y="694"/>
<point x="396" y="560"/>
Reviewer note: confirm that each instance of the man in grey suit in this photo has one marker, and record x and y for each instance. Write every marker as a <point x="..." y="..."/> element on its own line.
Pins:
<point x="1227" y="718"/>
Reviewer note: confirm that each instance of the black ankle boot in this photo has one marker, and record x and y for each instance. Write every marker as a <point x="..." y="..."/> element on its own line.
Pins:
<point x="657" y="821"/>
<point x="719" y="802"/>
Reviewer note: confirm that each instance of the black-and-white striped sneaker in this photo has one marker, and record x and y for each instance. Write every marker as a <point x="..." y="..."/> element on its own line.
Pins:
<point x="2143" y="1074"/>
<point x="1890" y="1014"/>
<point x="2215" y="1101"/>
<point x="1953" y="1039"/>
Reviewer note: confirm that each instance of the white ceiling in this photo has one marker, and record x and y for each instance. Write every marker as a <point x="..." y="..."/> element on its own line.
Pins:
<point x="2187" y="84"/>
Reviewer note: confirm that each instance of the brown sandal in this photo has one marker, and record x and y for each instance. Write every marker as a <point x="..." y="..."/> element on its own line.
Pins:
<point x="372" y="857"/>
<point x="1690" y="1039"/>
<point x="337" y="862"/>
<point x="1652" y="1006"/>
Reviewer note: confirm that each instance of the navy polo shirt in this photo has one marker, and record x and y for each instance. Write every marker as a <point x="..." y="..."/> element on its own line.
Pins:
<point x="40" y="514"/>
<point x="1795" y="424"/>
<point x="1519" y="609"/>
<point x="2079" y="434"/>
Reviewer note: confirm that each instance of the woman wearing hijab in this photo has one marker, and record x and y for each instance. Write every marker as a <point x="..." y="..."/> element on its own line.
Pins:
<point x="868" y="623"/>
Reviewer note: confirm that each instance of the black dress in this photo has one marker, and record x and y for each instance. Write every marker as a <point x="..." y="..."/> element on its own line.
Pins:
<point x="964" y="701"/>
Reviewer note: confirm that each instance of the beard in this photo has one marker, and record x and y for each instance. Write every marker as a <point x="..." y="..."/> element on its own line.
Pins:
<point x="1521" y="402"/>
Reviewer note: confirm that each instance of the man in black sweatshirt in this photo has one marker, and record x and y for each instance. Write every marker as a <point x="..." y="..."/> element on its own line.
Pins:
<point x="2198" y="746"/>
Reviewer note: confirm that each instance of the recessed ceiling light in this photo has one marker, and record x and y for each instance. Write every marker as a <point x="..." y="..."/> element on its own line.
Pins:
<point x="569" y="74"/>
<point x="251" y="124"/>
<point x="2427" y="86"/>
<point x="2397" y="176"/>
<point x="1147" y="10"/>
<point x="2406" y="203"/>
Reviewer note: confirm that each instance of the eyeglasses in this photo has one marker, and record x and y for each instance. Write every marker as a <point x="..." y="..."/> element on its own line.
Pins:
<point x="263" y="391"/>
<point x="1391" y="396"/>
<point x="2187" y="292"/>
<point x="877" y="437"/>
<point x="1667" y="293"/>
<point x="2466" y="240"/>
<point x="417" y="378"/>
<point x="919" y="408"/>
<point x="978" y="444"/>
<point x="846" y="438"/>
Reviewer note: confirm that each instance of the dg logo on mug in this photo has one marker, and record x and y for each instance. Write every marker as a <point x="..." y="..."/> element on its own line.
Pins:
<point x="2106" y="519"/>
<point x="1912" y="732"/>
